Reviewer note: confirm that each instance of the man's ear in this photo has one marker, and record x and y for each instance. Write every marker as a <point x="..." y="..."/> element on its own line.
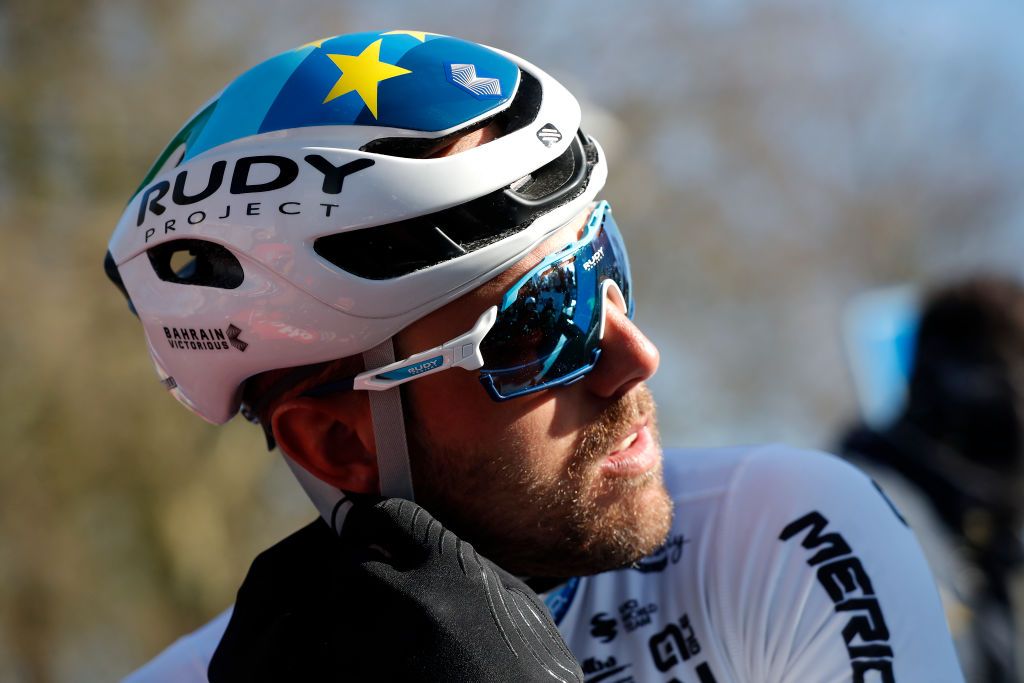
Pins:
<point x="330" y="437"/>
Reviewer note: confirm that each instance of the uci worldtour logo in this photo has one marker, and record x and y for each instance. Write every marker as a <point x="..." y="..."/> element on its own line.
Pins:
<point x="204" y="338"/>
<point x="283" y="169"/>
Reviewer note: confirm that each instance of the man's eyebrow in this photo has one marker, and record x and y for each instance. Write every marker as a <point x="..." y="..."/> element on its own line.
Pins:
<point x="503" y="280"/>
<point x="498" y="284"/>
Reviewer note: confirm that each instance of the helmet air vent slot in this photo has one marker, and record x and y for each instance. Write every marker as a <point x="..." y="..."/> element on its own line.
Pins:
<point x="385" y="252"/>
<point x="196" y="262"/>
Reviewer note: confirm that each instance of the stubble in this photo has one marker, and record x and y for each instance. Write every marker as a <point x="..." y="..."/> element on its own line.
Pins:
<point x="574" y="522"/>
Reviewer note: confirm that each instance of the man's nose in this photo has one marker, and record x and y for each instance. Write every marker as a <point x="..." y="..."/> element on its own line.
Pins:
<point x="628" y="357"/>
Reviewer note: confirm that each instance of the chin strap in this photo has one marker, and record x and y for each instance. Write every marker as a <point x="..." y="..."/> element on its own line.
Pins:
<point x="332" y="503"/>
<point x="392" y="450"/>
<point x="389" y="429"/>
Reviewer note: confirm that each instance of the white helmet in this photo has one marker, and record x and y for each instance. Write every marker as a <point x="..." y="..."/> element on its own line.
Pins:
<point x="315" y="225"/>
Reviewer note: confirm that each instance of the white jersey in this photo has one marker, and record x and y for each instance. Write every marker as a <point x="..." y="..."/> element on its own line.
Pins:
<point x="782" y="566"/>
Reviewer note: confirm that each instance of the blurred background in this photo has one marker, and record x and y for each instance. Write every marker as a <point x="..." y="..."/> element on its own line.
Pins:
<point x="769" y="160"/>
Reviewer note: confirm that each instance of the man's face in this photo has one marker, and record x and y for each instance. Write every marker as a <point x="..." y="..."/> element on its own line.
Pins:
<point x="562" y="482"/>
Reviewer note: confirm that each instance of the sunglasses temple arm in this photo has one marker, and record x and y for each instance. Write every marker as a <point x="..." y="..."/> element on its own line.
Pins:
<point x="461" y="352"/>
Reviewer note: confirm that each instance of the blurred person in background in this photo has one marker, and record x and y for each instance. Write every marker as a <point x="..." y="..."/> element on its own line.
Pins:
<point x="407" y="195"/>
<point x="953" y="460"/>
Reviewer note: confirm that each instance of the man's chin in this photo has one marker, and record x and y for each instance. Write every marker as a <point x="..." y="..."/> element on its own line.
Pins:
<point x="633" y="527"/>
<point x="618" y="529"/>
<point x="605" y="507"/>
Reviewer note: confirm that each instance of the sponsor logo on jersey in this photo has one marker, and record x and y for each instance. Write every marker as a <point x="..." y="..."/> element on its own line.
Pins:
<point x="670" y="552"/>
<point x="634" y="615"/>
<point x="603" y="627"/>
<point x="596" y="670"/>
<point x="843" y="577"/>
<point x="677" y="643"/>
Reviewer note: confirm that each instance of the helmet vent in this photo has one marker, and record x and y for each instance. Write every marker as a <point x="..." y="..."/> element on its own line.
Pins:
<point x="550" y="177"/>
<point x="183" y="263"/>
<point x="196" y="262"/>
<point x="388" y="251"/>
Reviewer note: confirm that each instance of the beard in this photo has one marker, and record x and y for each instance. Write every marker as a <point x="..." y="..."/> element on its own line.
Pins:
<point x="570" y="523"/>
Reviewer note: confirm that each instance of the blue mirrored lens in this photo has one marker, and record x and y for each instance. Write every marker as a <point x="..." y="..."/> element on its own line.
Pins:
<point x="547" y="331"/>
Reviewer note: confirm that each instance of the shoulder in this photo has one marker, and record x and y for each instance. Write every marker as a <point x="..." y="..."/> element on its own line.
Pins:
<point x="803" y="548"/>
<point x="738" y="489"/>
<point x="185" y="660"/>
<point x="776" y="501"/>
<point x="762" y="473"/>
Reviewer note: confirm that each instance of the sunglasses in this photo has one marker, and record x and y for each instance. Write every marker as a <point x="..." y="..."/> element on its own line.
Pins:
<point x="546" y="332"/>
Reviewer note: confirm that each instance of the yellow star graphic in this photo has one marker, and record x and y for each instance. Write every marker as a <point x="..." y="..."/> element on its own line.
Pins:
<point x="363" y="73"/>
<point x="418" y="35"/>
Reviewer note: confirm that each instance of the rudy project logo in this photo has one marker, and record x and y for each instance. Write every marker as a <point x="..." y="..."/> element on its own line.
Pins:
<point x="285" y="170"/>
<point x="594" y="260"/>
<point x="204" y="338"/>
<point x="413" y="370"/>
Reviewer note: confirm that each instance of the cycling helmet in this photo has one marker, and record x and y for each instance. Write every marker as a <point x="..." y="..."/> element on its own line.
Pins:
<point x="297" y="217"/>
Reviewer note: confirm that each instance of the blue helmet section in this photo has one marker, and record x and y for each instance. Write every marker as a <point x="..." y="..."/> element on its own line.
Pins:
<point x="399" y="79"/>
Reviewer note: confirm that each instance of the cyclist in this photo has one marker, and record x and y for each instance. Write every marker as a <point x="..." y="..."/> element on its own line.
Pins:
<point x="408" y="195"/>
<point x="953" y="458"/>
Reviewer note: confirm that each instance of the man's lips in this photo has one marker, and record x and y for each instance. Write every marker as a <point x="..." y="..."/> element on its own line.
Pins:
<point x="635" y="454"/>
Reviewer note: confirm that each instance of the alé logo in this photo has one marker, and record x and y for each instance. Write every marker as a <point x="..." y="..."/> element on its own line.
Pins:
<point x="284" y="170"/>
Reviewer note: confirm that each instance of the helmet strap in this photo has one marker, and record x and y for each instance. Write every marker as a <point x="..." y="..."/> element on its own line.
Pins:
<point x="389" y="428"/>
<point x="332" y="503"/>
